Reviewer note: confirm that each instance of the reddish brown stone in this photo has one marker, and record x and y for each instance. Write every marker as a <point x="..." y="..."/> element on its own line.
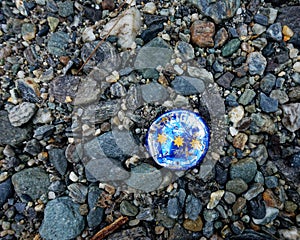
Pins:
<point x="108" y="5"/>
<point x="272" y="200"/>
<point x="202" y="33"/>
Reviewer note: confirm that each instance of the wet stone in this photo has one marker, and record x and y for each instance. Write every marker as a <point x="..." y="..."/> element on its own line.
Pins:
<point x="271" y="182"/>
<point x="256" y="63"/>
<point x="78" y="192"/>
<point x="268" y="83"/>
<point x="193" y="225"/>
<point x="254" y="190"/>
<point x="33" y="182"/>
<point x="291" y="119"/>
<point x="260" y="154"/>
<point x="212" y="9"/>
<point x="202" y="33"/>
<point x="108" y="5"/>
<point x="294" y="94"/>
<point x="155" y="53"/>
<point x="210" y="215"/>
<point x="58" y="43"/>
<point x="145" y="214"/>
<point x="268" y="104"/>
<point x="185" y="85"/>
<point x="186" y="51"/>
<point x="151" y="32"/>
<point x="225" y="80"/>
<point x="215" y="198"/>
<point x="271" y="214"/>
<point x="193" y="207"/>
<point x="21" y="114"/>
<point x="54" y="228"/>
<point x="33" y="147"/>
<point x="257" y="208"/>
<point x="9" y="134"/>
<point x="28" y="31"/>
<point x="239" y="205"/>
<point x="95" y="215"/>
<point x="154" y="92"/>
<point x="221" y="37"/>
<point x="247" y="97"/>
<point x="105" y="58"/>
<point x="65" y="8"/>
<point x="245" y="169"/>
<point x="6" y="191"/>
<point x="29" y="90"/>
<point x="128" y="209"/>
<point x="231" y="47"/>
<point x="174" y="208"/>
<point x="236" y="186"/>
<point x="58" y="159"/>
<point x="43" y="131"/>
<point x="63" y="87"/>
<point x="275" y="32"/>
<point x="118" y="90"/>
<point x="261" y="19"/>
<point x="144" y="177"/>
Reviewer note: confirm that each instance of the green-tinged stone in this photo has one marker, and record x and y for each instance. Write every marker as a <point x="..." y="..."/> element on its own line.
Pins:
<point x="231" y="47"/>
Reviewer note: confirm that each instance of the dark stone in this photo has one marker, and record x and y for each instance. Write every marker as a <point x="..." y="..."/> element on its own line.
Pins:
<point x="58" y="159"/>
<point x="295" y="160"/>
<point x="267" y="83"/>
<point x="269" y="50"/>
<point x="154" y="19"/>
<point x="261" y="19"/>
<point x="231" y="100"/>
<point x="221" y="174"/>
<point x="64" y="86"/>
<point x="225" y="80"/>
<point x="6" y="191"/>
<point x="245" y="169"/>
<point x="237" y="186"/>
<point x="185" y="85"/>
<point x="43" y="131"/>
<point x="33" y="182"/>
<point x="58" y="43"/>
<point x="12" y="135"/>
<point x="33" y="147"/>
<point x="62" y="220"/>
<point x="268" y="104"/>
<point x="151" y="32"/>
<point x="44" y="31"/>
<point x="95" y="215"/>
<point x="290" y="16"/>
<point x="131" y="233"/>
<point x="218" y="10"/>
<point x="257" y="208"/>
<point x="193" y="207"/>
<point x="271" y="182"/>
<point x="93" y="14"/>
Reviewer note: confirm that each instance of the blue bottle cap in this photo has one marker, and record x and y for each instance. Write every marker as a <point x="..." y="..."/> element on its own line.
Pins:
<point x="178" y="139"/>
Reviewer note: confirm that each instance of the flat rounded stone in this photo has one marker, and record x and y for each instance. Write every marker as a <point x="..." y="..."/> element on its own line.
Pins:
<point x="178" y="139"/>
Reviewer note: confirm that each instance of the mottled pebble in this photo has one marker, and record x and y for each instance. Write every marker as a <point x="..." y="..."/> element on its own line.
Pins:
<point x="236" y="186"/>
<point x="21" y="113"/>
<point x="202" y="33"/>
<point x="268" y="104"/>
<point x="215" y="198"/>
<point x="244" y="169"/>
<point x="256" y="63"/>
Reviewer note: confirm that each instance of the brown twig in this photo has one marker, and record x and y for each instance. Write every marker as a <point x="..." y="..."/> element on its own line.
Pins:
<point x="110" y="228"/>
<point x="105" y="37"/>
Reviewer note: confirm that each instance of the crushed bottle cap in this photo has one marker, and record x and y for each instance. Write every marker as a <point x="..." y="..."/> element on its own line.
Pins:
<point x="178" y="139"/>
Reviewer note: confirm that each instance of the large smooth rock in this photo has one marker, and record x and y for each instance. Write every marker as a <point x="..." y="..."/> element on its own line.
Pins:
<point x="62" y="220"/>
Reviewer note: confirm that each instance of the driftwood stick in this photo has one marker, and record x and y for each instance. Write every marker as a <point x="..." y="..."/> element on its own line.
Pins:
<point x="110" y="228"/>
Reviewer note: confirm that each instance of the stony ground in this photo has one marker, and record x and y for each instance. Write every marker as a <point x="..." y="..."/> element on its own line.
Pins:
<point x="72" y="143"/>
